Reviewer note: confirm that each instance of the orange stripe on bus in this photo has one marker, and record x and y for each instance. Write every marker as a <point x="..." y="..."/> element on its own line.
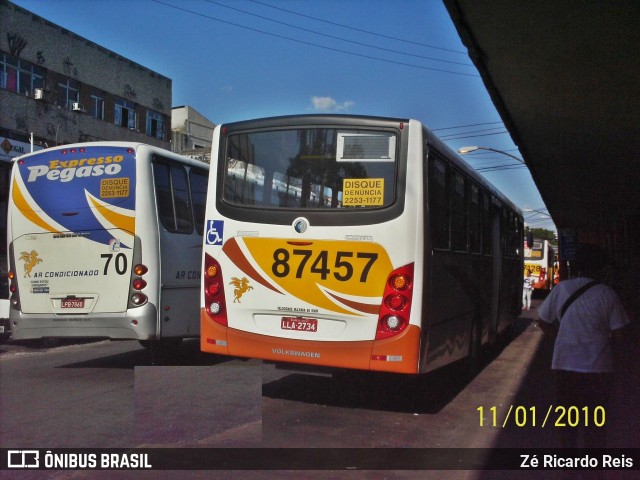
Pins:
<point x="216" y="338"/>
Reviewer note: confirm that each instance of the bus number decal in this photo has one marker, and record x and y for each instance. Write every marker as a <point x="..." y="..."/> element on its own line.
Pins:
<point x="343" y="268"/>
<point x="120" y="263"/>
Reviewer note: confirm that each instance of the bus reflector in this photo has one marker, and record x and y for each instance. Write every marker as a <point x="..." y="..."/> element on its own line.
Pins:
<point x="396" y="303"/>
<point x="387" y="358"/>
<point x="213" y="292"/>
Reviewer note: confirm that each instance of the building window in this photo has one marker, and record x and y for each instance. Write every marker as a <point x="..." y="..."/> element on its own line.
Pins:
<point x="155" y="125"/>
<point x="68" y="93"/>
<point x="97" y="107"/>
<point x="125" y="114"/>
<point x="20" y="76"/>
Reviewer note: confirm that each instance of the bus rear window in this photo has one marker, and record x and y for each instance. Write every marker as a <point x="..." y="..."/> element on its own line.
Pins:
<point x="316" y="168"/>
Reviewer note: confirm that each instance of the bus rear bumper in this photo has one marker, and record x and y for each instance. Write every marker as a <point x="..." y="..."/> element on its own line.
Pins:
<point x="136" y="324"/>
<point x="397" y="354"/>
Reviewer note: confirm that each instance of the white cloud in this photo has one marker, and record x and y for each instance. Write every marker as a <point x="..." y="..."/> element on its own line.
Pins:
<point x="328" y="104"/>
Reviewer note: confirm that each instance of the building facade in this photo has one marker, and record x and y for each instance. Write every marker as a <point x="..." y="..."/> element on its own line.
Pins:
<point x="191" y="133"/>
<point x="58" y="88"/>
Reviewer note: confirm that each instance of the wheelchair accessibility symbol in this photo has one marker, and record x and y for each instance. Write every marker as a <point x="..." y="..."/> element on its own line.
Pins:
<point x="215" y="230"/>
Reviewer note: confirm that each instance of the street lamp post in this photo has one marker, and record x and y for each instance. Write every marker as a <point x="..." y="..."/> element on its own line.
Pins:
<point x="465" y="150"/>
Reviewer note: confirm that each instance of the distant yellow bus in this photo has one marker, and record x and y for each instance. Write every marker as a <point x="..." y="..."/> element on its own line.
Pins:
<point x="353" y="242"/>
<point x="539" y="260"/>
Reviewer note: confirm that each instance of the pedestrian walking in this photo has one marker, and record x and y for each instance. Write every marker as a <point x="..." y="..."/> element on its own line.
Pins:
<point x="588" y="321"/>
<point x="527" y="290"/>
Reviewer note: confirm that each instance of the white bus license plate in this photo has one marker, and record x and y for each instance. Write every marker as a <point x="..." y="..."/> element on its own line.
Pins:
<point x="299" y="324"/>
<point x="72" y="303"/>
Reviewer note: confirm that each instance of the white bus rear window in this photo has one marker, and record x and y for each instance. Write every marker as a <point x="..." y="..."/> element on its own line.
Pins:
<point x="319" y="168"/>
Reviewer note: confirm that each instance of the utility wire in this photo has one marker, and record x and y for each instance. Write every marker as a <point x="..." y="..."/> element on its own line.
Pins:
<point x="455" y="137"/>
<point x="370" y="57"/>
<point x="336" y="38"/>
<point x="464" y="126"/>
<point x="451" y="136"/>
<point x="359" y="29"/>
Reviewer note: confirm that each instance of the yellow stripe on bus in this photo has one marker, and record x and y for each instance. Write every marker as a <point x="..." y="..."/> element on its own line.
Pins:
<point x="126" y="223"/>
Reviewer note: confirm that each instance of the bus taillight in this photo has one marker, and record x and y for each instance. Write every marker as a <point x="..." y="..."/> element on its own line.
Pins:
<point x="213" y="291"/>
<point x="137" y="298"/>
<point x="396" y="303"/>
<point x="13" y="288"/>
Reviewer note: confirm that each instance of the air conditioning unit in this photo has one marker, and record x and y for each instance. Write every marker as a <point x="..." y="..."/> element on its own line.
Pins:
<point x="77" y="107"/>
<point x="38" y="94"/>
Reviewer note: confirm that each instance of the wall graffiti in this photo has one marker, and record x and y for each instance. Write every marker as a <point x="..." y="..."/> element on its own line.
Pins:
<point x="158" y="104"/>
<point x="129" y="92"/>
<point x="16" y="44"/>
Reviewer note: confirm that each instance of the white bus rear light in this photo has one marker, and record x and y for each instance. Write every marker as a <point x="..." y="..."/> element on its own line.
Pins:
<point x="14" y="301"/>
<point x="215" y="308"/>
<point x="393" y="322"/>
<point x="138" y="299"/>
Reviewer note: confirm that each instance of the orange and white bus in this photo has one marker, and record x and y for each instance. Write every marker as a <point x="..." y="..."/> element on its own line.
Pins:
<point x="354" y="242"/>
<point x="105" y="240"/>
<point x="539" y="261"/>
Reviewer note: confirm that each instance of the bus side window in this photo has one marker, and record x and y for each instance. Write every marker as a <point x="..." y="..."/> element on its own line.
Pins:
<point x="475" y="220"/>
<point x="163" y="195"/>
<point x="487" y="243"/>
<point x="181" y="201"/>
<point x="458" y="213"/>
<point x="439" y="202"/>
<point x="172" y="192"/>
<point x="198" y="182"/>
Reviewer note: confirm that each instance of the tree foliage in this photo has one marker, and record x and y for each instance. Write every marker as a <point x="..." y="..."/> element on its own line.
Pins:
<point x="544" y="234"/>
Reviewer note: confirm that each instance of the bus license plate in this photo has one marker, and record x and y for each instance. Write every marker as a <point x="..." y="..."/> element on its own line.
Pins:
<point x="299" y="324"/>
<point x="72" y="303"/>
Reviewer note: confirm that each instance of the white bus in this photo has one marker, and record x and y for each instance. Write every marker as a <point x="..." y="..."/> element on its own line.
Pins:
<point x="106" y="241"/>
<point x="539" y="261"/>
<point x="354" y="242"/>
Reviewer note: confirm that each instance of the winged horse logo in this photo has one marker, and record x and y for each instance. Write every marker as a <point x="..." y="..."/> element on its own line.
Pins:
<point x="30" y="260"/>
<point x="242" y="287"/>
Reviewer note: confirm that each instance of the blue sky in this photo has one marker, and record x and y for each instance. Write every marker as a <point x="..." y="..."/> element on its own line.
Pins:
<point x="240" y="59"/>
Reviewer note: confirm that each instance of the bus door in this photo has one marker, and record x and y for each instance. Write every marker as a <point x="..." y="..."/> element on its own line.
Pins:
<point x="73" y="226"/>
<point x="178" y="190"/>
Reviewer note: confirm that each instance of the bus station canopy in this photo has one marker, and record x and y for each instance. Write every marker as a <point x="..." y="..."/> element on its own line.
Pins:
<point x="565" y="78"/>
